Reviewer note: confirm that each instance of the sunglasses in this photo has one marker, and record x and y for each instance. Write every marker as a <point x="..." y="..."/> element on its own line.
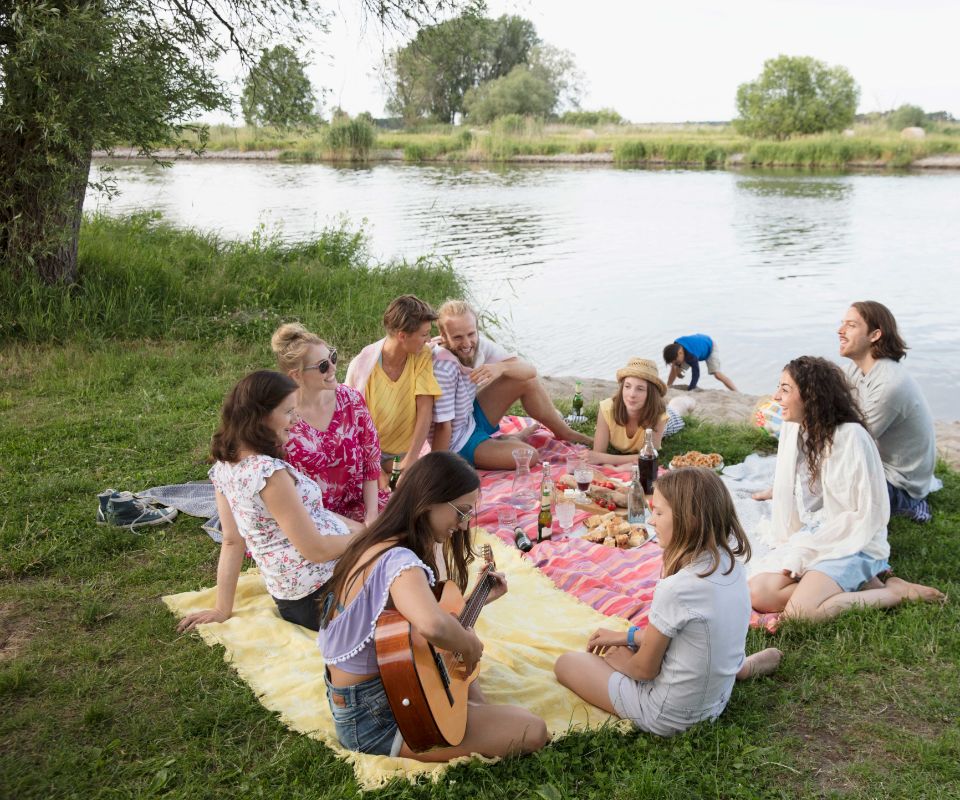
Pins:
<point x="324" y="365"/>
<point x="463" y="517"/>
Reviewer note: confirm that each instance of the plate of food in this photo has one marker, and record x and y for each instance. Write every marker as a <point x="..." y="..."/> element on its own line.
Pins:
<point x="612" y="530"/>
<point x="695" y="458"/>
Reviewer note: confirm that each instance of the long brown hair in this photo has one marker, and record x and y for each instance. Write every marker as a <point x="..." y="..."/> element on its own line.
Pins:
<point x="243" y="415"/>
<point x="827" y="403"/>
<point x="879" y="317"/>
<point x="704" y="520"/>
<point x="652" y="409"/>
<point x="438" y="477"/>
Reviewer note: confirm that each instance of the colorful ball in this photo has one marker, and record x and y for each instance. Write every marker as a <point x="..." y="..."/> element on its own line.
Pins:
<point x="769" y="416"/>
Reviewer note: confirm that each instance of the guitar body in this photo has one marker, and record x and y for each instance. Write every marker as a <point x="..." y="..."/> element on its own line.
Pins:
<point x="425" y="686"/>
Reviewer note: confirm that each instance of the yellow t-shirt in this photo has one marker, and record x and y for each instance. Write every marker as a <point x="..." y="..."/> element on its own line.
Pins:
<point x="393" y="404"/>
<point x="619" y="440"/>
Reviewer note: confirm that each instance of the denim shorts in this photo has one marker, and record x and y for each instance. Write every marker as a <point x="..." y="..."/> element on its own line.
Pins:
<point x="483" y="431"/>
<point x="851" y="572"/>
<point x="304" y="611"/>
<point x="363" y="719"/>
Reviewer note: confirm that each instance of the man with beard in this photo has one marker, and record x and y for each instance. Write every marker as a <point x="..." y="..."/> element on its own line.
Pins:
<point x="895" y="410"/>
<point x="500" y="378"/>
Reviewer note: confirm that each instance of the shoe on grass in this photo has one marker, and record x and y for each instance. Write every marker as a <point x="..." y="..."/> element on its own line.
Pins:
<point x="104" y="498"/>
<point x="127" y="511"/>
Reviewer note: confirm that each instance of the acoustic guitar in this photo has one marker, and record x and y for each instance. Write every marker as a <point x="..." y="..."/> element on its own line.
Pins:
<point x="425" y="686"/>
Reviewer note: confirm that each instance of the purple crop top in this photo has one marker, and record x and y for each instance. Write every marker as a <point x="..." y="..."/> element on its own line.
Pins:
<point x="344" y="641"/>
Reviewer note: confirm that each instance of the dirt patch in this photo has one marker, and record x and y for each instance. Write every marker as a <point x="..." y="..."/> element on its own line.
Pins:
<point x="13" y="633"/>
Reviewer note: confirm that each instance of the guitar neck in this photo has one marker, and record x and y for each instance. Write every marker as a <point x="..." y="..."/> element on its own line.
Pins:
<point x="474" y="605"/>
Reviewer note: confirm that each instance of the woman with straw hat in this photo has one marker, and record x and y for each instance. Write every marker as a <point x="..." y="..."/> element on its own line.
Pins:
<point x="638" y="405"/>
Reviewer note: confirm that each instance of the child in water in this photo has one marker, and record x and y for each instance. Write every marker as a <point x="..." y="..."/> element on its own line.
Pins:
<point x="681" y="669"/>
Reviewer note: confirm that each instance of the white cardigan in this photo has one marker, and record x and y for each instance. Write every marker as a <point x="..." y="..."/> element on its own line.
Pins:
<point x="856" y="507"/>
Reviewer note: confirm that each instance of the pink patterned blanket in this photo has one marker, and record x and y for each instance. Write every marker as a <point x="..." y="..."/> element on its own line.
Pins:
<point x="614" y="582"/>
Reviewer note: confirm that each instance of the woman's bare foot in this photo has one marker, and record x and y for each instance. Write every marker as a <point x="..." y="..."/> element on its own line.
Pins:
<point x="915" y="591"/>
<point x="765" y="494"/>
<point x="763" y="663"/>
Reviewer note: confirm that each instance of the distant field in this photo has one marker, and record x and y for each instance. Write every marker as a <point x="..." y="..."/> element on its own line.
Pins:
<point x="516" y="139"/>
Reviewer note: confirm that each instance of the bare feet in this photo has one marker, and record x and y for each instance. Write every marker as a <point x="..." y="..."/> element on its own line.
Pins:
<point x="915" y="591"/>
<point x="763" y="663"/>
<point x="525" y="433"/>
<point x="577" y="438"/>
<point x="765" y="494"/>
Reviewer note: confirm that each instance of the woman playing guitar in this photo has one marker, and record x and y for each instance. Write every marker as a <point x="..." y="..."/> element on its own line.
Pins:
<point x="393" y="565"/>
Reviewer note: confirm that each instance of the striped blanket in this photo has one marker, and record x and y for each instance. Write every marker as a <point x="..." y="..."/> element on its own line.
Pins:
<point x="617" y="583"/>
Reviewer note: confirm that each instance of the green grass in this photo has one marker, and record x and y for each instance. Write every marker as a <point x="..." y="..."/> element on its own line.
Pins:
<point x="626" y="145"/>
<point x="101" y="699"/>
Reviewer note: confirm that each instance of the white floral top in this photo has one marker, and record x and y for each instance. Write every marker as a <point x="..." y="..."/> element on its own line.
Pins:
<point x="286" y="573"/>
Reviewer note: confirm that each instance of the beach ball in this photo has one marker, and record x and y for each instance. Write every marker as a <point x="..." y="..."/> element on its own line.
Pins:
<point x="769" y="416"/>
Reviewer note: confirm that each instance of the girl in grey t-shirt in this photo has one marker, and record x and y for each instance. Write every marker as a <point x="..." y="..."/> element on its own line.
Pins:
<point x="682" y="669"/>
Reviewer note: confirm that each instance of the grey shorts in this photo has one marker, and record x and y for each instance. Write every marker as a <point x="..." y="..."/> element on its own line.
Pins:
<point x="713" y="362"/>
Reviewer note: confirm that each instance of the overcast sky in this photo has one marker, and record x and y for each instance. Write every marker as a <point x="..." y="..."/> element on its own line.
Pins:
<point x="682" y="61"/>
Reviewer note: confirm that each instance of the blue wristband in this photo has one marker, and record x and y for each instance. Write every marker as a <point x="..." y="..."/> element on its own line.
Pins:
<point x="631" y="633"/>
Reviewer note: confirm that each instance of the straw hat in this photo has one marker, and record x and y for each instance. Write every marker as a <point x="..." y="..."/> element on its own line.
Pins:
<point x="642" y="368"/>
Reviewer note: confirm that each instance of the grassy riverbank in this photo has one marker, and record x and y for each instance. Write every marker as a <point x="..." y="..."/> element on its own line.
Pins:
<point x="101" y="698"/>
<point x="517" y="139"/>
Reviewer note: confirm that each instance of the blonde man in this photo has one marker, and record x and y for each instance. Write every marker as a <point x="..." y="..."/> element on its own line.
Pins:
<point x="500" y="377"/>
<point x="395" y="377"/>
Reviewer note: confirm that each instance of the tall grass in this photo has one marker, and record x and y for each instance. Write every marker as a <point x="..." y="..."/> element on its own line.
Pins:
<point x="141" y="278"/>
<point x="353" y="138"/>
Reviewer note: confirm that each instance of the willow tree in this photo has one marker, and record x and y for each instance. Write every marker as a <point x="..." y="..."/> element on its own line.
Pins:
<point x="80" y="75"/>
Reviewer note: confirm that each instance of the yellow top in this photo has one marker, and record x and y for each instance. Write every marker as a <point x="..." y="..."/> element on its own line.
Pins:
<point x="619" y="440"/>
<point x="393" y="404"/>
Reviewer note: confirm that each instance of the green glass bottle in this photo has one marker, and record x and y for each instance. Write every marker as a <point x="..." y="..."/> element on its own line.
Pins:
<point x="395" y="475"/>
<point x="577" y="402"/>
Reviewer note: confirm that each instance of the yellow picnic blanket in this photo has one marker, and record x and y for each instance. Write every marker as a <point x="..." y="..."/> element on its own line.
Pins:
<point x="523" y="633"/>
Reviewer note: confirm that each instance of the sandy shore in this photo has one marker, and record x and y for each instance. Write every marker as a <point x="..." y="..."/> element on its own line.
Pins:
<point x="719" y="405"/>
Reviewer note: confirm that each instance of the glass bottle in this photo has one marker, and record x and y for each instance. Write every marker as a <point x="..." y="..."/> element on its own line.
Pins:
<point x="577" y="404"/>
<point x="636" y="502"/>
<point x="395" y="475"/>
<point x="524" y="491"/>
<point x="647" y="463"/>
<point x="522" y="540"/>
<point x="545" y="517"/>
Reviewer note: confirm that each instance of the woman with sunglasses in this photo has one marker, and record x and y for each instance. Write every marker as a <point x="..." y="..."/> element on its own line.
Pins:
<point x="335" y="441"/>
<point x="268" y="507"/>
<point x="393" y="564"/>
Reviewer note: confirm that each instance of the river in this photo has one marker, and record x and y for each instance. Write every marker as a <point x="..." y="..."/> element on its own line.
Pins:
<point x="586" y="266"/>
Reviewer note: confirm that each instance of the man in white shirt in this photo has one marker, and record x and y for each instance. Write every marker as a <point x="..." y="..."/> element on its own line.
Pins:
<point x="500" y="378"/>
<point x="893" y="405"/>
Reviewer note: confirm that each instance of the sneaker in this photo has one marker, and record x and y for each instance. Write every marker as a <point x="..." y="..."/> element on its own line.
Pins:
<point x="127" y="511"/>
<point x="104" y="498"/>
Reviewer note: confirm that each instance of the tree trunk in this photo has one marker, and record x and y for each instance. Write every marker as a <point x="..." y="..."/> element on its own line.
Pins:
<point x="43" y="208"/>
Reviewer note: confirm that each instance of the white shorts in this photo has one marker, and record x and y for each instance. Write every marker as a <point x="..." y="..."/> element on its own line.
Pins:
<point x="713" y="362"/>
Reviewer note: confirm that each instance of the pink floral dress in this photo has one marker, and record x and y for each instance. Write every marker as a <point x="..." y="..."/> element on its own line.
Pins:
<point x="342" y="457"/>
<point x="286" y="573"/>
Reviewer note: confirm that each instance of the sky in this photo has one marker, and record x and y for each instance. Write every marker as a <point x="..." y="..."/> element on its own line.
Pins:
<point x="682" y="61"/>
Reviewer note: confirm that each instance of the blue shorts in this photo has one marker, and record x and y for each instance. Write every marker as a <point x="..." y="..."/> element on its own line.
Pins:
<point x="851" y="572"/>
<point x="483" y="431"/>
<point x="363" y="719"/>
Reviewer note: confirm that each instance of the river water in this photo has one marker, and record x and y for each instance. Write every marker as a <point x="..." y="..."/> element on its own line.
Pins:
<point x="586" y="267"/>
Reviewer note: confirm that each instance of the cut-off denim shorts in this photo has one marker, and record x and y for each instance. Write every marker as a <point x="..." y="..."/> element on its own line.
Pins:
<point x="363" y="719"/>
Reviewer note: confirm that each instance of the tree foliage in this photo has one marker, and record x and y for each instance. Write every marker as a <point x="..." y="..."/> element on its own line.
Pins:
<point x="908" y="116"/>
<point x="796" y="95"/>
<point x="79" y="75"/>
<point x="277" y="91"/>
<point x="429" y="77"/>
<point x="533" y="89"/>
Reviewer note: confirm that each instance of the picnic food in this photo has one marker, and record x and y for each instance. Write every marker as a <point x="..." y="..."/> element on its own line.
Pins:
<point x="697" y="459"/>
<point x="614" y="531"/>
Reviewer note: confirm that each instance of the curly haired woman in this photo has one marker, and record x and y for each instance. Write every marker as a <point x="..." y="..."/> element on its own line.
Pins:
<point x="830" y="505"/>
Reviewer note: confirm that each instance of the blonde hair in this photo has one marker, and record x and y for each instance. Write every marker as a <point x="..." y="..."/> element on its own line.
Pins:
<point x="704" y="520"/>
<point x="454" y="308"/>
<point x="290" y="343"/>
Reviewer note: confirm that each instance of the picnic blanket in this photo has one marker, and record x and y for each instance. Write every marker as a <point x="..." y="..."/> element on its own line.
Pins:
<point x="523" y="634"/>
<point x="615" y="582"/>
